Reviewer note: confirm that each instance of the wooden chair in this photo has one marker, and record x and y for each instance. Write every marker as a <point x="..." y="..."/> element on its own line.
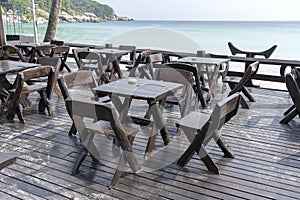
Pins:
<point x="267" y="53"/>
<point x="294" y="92"/>
<point x="296" y="75"/>
<point x="13" y="53"/>
<point x="178" y="76"/>
<point x="75" y="54"/>
<point x="77" y="79"/>
<point x="196" y="86"/>
<point x="107" y="123"/>
<point x="143" y="68"/>
<point x="207" y="127"/>
<point x="61" y="52"/>
<point x="21" y="90"/>
<point x="54" y="62"/>
<point x="238" y="84"/>
<point x="132" y="55"/>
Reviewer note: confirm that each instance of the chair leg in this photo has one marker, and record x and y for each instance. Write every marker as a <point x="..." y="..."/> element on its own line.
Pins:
<point x="121" y="165"/>
<point x="20" y="115"/>
<point x="66" y="66"/>
<point x="209" y="163"/>
<point x="201" y="98"/>
<point x="248" y="94"/>
<point x="119" y="171"/>
<point x="79" y="160"/>
<point x="44" y="103"/>
<point x="289" y="117"/>
<point x="189" y="152"/>
<point x="72" y="130"/>
<point x="244" y="103"/>
<point x="289" y="110"/>
<point x="226" y="150"/>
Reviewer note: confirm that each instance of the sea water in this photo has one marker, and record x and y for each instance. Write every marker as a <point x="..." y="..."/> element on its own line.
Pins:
<point x="186" y="36"/>
<point x="211" y="36"/>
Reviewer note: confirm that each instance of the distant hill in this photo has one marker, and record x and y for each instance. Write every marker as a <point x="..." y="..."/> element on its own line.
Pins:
<point x="71" y="10"/>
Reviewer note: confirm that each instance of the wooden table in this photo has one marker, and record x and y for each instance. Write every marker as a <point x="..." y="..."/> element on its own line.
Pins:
<point x="112" y="56"/>
<point x="31" y="49"/>
<point x="150" y="90"/>
<point x="6" y="67"/>
<point x="212" y="66"/>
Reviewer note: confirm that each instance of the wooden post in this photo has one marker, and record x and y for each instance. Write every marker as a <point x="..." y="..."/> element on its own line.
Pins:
<point x="2" y="34"/>
<point x="34" y="22"/>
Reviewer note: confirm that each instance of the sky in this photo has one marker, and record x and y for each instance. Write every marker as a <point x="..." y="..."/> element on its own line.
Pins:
<point x="276" y="10"/>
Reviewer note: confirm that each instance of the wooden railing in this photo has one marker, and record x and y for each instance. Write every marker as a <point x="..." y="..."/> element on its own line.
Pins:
<point x="282" y="63"/>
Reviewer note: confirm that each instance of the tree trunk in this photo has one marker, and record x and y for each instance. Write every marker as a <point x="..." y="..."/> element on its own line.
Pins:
<point x="53" y="20"/>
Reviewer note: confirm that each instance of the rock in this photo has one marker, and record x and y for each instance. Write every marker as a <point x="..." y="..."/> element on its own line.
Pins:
<point x="70" y="16"/>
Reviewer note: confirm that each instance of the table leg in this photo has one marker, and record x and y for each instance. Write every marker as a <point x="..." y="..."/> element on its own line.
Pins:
<point x="212" y="83"/>
<point x="159" y="121"/>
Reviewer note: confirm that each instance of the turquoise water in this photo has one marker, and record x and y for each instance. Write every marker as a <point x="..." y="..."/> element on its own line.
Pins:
<point x="176" y="35"/>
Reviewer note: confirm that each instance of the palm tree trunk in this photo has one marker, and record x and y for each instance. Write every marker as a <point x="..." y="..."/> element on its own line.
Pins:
<point x="53" y="20"/>
<point x="2" y="34"/>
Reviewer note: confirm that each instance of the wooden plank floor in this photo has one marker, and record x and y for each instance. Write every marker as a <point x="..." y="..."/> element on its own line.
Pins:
<point x="266" y="166"/>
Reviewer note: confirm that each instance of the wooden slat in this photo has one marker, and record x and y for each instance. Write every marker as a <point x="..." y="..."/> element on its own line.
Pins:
<point x="266" y="165"/>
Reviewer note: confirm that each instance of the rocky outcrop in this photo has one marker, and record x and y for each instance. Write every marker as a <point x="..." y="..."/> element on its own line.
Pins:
<point x="71" y="16"/>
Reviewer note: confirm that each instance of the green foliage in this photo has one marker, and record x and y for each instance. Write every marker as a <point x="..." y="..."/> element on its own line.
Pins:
<point x="98" y="9"/>
<point x="82" y="6"/>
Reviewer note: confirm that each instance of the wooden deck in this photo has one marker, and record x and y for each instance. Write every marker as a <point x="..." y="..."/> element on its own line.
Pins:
<point x="267" y="163"/>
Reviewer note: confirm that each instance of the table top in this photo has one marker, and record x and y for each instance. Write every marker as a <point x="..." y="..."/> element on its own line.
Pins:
<point x="8" y="66"/>
<point x="142" y="89"/>
<point x="111" y="51"/>
<point x="203" y="60"/>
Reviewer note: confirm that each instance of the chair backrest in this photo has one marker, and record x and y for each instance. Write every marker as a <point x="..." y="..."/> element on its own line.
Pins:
<point x="132" y="54"/>
<point x="296" y="75"/>
<point x="75" y="79"/>
<point x="90" y="60"/>
<point x="57" y="42"/>
<point x="95" y="110"/>
<point x="55" y="63"/>
<point x="222" y="113"/>
<point x="60" y="51"/>
<point x="187" y="67"/>
<point x="37" y="72"/>
<point x="155" y="58"/>
<point x="293" y="89"/>
<point x="75" y="54"/>
<point x="267" y="53"/>
<point x="246" y="78"/>
<point x="174" y="75"/>
<point x="12" y="53"/>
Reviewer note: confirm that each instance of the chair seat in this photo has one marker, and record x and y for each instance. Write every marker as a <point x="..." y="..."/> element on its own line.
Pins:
<point x="33" y="88"/>
<point x="30" y="88"/>
<point x="105" y="128"/>
<point x="194" y="120"/>
<point x="232" y="79"/>
<point x="39" y="79"/>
